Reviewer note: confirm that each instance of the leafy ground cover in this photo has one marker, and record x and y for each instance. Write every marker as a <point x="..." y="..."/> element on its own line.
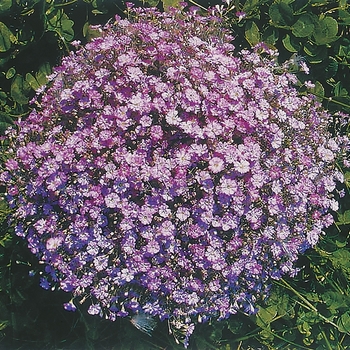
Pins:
<point x="307" y="311"/>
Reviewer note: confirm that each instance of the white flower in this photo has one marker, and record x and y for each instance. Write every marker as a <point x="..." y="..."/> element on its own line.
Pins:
<point x="242" y="166"/>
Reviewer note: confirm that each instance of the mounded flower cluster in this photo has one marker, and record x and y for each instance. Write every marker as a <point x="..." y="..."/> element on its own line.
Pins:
<point x="160" y="174"/>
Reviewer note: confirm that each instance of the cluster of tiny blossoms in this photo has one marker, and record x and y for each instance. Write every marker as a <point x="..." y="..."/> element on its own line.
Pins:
<point x="161" y="174"/>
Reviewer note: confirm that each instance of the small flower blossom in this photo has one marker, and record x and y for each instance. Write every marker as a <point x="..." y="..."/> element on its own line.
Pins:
<point x="216" y="165"/>
<point x="53" y="243"/>
<point x="69" y="306"/>
<point x="111" y="200"/>
<point x="182" y="213"/>
<point x="240" y="15"/>
<point x="242" y="166"/>
<point x="309" y="84"/>
<point x="94" y="309"/>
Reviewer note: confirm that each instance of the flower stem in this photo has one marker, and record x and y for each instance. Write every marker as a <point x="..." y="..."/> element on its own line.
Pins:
<point x="308" y="305"/>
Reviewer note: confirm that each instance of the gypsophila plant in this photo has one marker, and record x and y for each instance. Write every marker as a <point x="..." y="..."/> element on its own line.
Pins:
<point x="160" y="175"/>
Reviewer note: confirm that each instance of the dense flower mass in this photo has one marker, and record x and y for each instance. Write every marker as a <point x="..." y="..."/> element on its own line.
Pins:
<point x="159" y="174"/>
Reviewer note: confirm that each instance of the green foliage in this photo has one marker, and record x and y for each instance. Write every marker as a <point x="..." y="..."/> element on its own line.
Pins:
<point x="5" y="5"/>
<point x="19" y="90"/>
<point x="311" y="310"/>
<point x="47" y="27"/>
<point x="252" y="33"/>
<point x="5" y="122"/>
<point x="6" y="38"/>
<point x="316" y="30"/>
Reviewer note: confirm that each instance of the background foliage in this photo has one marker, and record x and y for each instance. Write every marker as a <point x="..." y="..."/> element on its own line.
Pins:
<point x="316" y="30"/>
<point x="310" y="311"/>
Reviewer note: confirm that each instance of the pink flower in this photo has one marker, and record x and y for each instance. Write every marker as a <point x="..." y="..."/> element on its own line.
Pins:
<point x="182" y="213"/>
<point x="216" y="165"/>
<point x="111" y="200"/>
<point x="242" y="166"/>
<point x="53" y="243"/>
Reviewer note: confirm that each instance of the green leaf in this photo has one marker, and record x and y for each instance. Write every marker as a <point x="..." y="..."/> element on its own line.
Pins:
<point x="344" y="51"/>
<point x="315" y="53"/>
<point x="270" y="36"/>
<point x="170" y="3"/>
<point x="308" y="341"/>
<point x="347" y="178"/>
<point x="266" y="335"/>
<point x="5" y="122"/>
<point x="215" y="333"/>
<point x="53" y="15"/>
<point x="299" y="6"/>
<point x="99" y="7"/>
<point x="304" y="26"/>
<point x="343" y="322"/>
<point x="235" y="325"/>
<point x="30" y="79"/>
<point x="319" y="2"/>
<point x="10" y="73"/>
<point x="341" y="244"/>
<point x="99" y="12"/>
<point x="5" y="5"/>
<point x="290" y="334"/>
<point x="19" y="90"/>
<point x="290" y="44"/>
<point x="3" y="98"/>
<point x="344" y="218"/>
<point x="4" y="208"/>
<point x="342" y="255"/>
<point x="326" y="30"/>
<point x="282" y="301"/>
<point x="266" y="315"/>
<point x="332" y="67"/>
<point x="304" y="327"/>
<point x="60" y="23"/>
<point x="40" y="78"/>
<point x="344" y="16"/>
<point x="341" y="260"/>
<point x="311" y="49"/>
<point x="152" y="3"/>
<point x="44" y="71"/>
<point x="90" y="32"/>
<point x="250" y="5"/>
<point x="67" y="30"/>
<point x="318" y="91"/>
<point x="252" y="33"/>
<point x="281" y="14"/>
<point x="6" y="38"/>
<point x="4" y="324"/>
<point x="334" y="300"/>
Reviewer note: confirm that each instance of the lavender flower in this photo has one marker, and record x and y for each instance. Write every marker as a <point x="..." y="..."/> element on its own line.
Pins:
<point x="161" y="175"/>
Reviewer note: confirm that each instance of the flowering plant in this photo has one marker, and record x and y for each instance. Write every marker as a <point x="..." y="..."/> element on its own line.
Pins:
<point x="160" y="174"/>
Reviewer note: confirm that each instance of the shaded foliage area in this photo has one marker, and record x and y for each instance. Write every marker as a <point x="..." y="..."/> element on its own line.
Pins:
<point x="34" y="36"/>
<point x="315" y="30"/>
<point x="310" y="311"/>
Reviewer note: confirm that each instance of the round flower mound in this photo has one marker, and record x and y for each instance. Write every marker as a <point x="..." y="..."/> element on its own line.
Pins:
<point x="160" y="174"/>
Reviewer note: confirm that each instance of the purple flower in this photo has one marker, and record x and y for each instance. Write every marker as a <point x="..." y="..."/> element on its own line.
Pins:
<point x="240" y="15"/>
<point x="44" y="283"/>
<point x="53" y="243"/>
<point x="112" y="200"/>
<point x="69" y="306"/>
<point x="94" y="309"/>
